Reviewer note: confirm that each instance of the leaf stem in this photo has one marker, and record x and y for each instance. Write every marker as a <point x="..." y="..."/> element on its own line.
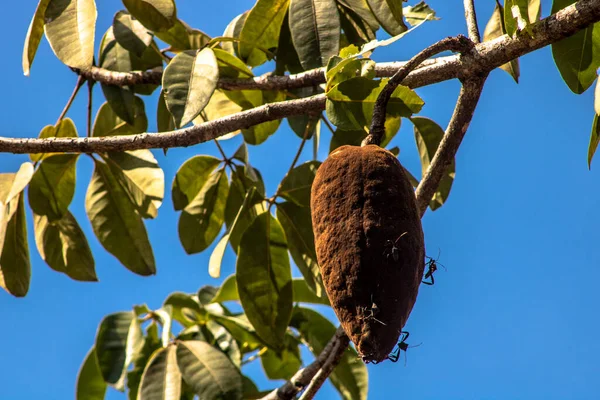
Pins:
<point x="80" y="81"/>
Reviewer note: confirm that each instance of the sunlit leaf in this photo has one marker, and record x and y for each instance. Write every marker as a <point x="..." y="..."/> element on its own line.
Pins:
<point x="315" y="30"/>
<point x="428" y="135"/>
<point x="134" y="375"/>
<point x="117" y="225"/>
<point x="296" y="185"/>
<point x="107" y="123"/>
<point x="201" y="220"/>
<point x="578" y="56"/>
<point x="208" y="371"/>
<point x="495" y="28"/>
<point x="182" y="37"/>
<point x="511" y="23"/>
<point x="52" y="186"/>
<point x="34" y="35"/>
<point x="261" y="30"/>
<point x="264" y="279"/>
<point x="156" y="15"/>
<point x="190" y="178"/>
<point x="418" y="13"/>
<point x="282" y="365"/>
<point x="15" y="267"/>
<point x="70" y="27"/>
<point x="130" y="33"/>
<point x="63" y="246"/>
<point x="233" y="30"/>
<point x="296" y="223"/>
<point x="594" y="140"/>
<point x="90" y="384"/>
<point x="188" y="83"/>
<point x="389" y="15"/>
<point x="161" y="379"/>
<point x="164" y="118"/>
<point x="350" y="377"/>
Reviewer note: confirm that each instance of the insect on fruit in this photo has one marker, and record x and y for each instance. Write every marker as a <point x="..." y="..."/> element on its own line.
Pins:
<point x="392" y="249"/>
<point x="432" y="265"/>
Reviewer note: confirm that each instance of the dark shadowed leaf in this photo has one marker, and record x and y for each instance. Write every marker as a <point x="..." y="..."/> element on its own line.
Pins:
<point x="53" y="185"/>
<point x="282" y="365"/>
<point x="118" y="341"/>
<point x="201" y="220"/>
<point x="315" y="30"/>
<point x="361" y="8"/>
<point x="108" y="123"/>
<point x="188" y="83"/>
<point x="577" y="57"/>
<point x="296" y="223"/>
<point x="156" y="15"/>
<point x="261" y="30"/>
<point x="418" y="13"/>
<point x="495" y="28"/>
<point x="65" y="128"/>
<point x="69" y="27"/>
<point x="356" y="29"/>
<point x="142" y="179"/>
<point x="191" y="177"/>
<point x="594" y="139"/>
<point x="164" y="118"/>
<point x="130" y="33"/>
<point x="90" y="384"/>
<point x="179" y="303"/>
<point x="428" y="135"/>
<point x="208" y="371"/>
<point x="287" y="57"/>
<point x="350" y="104"/>
<point x="350" y="377"/>
<point x="389" y="15"/>
<point x="34" y="35"/>
<point x="161" y="379"/>
<point x="241" y="329"/>
<point x="233" y="30"/>
<point x="116" y="223"/>
<point x="257" y="134"/>
<point x="63" y="246"/>
<point x="134" y="375"/>
<point x="264" y="279"/>
<point x="296" y="185"/>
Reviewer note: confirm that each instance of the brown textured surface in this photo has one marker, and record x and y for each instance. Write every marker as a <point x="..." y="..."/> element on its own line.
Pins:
<point x="360" y="199"/>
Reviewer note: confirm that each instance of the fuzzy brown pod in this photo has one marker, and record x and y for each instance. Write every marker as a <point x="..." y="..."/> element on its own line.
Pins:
<point x="369" y="244"/>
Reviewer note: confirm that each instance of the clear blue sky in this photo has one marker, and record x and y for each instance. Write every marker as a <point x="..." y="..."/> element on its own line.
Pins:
<point x="514" y="317"/>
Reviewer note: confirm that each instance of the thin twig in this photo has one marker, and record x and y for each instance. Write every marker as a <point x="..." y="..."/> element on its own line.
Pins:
<point x="89" y="107"/>
<point x="80" y="82"/>
<point x="377" y="131"/>
<point x="455" y="132"/>
<point x="471" y="18"/>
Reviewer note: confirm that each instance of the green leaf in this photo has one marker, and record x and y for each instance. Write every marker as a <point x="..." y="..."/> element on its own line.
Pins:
<point x="510" y="21"/>
<point x="428" y="136"/>
<point x="350" y="377"/>
<point x="118" y="341"/>
<point x="233" y="30"/>
<point x="182" y="37"/>
<point x="142" y="179"/>
<point x="305" y="125"/>
<point x="164" y="118"/>
<point x="117" y="225"/>
<point x="257" y="134"/>
<point x="188" y="83"/>
<point x="347" y="69"/>
<point x="191" y="177"/>
<point x="241" y="329"/>
<point x="134" y="376"/>
<point x="296" y="185"/>
<point x="219" y="106"/>
<point x="287" y="57"/>
<point x="361" y="8"/>
<point x="597" y="98"/>
<point x="34" y="35"/>
<point x="315" y="29"/>
<point x="261" y="30"/>
<point x="228" y="291"/>
<point x="15" y="268"/>
<point x="70" y="27"/>
<point x="264" y="279"/>
<point x="52" y="186"/>
<point x="372" y="45"/>
<point x="164" y="314"/>
<point x="156" y="15"/>
<point x="220" y="337"/>
<point x="296" y="223"/>
<point x="350" y="104"/>
<point x="578" y="56"/>
<point x="356" y="29"/>
<point x="90" y="384"/>
<point x="179" y="303"/>
<point x="108" y="123"/>
<point x="594" y="139"/>
<point x="203" y="217"/>
<point x="161" y="379"/>
<point x="282" y="365"/>
<point x="63" y="246"/>
<point x="65" y="128"/>
<point x="130" y="33"/>
<point x="389" y="15"/>
<point x="355" y="137"/>
<point x="494" y="29"/>
<point x="208" y="371"/>
<point x="418" y="13"/>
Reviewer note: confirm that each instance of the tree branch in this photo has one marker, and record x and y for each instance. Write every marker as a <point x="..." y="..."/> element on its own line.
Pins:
<point x="377" y="130"/>
<point x="471" y="18"/>
<point x="484" y="57"/>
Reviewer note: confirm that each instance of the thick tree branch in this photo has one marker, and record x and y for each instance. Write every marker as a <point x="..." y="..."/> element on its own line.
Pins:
<point x="484" y="57"/>
<point x="471" y="18"/>
<point x="455" y="132"/>
<point x="377" y="130"/>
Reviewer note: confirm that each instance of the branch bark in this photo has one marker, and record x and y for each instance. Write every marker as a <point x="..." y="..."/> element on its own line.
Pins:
<point x="471" y="18"/>
<point x="484" y="57"/>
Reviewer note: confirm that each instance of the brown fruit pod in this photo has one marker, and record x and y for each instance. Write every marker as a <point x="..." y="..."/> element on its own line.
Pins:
<point x="369" y="244"/>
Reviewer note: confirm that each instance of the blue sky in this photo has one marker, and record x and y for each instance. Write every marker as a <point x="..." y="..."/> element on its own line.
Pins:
<point x="514" y="316"/>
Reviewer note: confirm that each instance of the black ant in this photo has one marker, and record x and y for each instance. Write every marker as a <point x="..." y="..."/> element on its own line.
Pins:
<point x="394" y="250"/>
<point x="402" y="346"/>
<point x="431" y="268"/>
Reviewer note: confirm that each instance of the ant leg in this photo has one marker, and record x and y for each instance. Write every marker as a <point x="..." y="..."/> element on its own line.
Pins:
<point x="394" y="355"/>
<point x="428" y="283"/>
<point x="406" y="335"/>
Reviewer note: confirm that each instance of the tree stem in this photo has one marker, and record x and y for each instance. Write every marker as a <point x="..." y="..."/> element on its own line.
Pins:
<point x="471" y="18"/>
<point x="78" y="85"/>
